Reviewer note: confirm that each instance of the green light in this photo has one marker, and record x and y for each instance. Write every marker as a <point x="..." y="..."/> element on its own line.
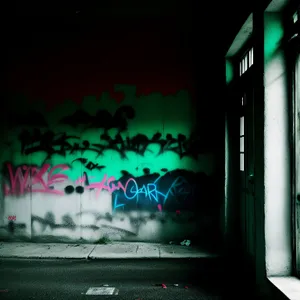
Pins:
<point x="153" y="113"/>
<point x="229" y="71"/>
<point x="273" y="34"/>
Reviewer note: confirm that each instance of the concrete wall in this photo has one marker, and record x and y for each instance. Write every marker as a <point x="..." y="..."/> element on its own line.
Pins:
<point x="105" y="142"/>
<point x="278" y="198"/>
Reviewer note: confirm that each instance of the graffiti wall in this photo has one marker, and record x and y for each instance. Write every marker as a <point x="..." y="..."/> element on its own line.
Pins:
<point x="129" y="168"/>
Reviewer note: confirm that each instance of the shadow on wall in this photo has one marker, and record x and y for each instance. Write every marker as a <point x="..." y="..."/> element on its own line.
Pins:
<point x="137" y="226"/>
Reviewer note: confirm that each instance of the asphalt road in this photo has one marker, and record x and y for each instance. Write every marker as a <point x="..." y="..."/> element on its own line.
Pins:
<point x="132" y="279"/>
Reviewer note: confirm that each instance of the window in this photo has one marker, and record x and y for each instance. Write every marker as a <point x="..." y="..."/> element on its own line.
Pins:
<point x="295" y="17"/>
<point x="246" y="61"/>
<point x="295" y="26"/>
<point x="242" y="140"/>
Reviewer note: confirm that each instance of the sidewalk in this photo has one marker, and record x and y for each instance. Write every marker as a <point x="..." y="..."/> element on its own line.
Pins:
<point x="114" y="250"/>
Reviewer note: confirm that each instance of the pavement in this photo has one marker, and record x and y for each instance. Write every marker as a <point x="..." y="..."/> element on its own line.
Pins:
<point x="113" y="250"/>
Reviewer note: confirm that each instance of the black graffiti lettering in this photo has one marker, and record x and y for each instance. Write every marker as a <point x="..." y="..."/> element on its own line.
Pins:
<point x="82" y="160"/>
<point x="116" y="144"/>
<point x="140" y="144"/>
<point x="70" y="189"/>
<point x="79" y="189"/>
<point x="25" y="138"/>
<point x="86" y="145"/>
<point x="177" y="145"/>
<point x="137" y="144"/>
<point x="52" y="143"/>
<point x="156" y="137"/>
<point x="102" y="119"/>
<point x="86" y="179"/>
<point x="110" y="143"/>
<point x="180" y="148"/>
<point x="181" y="188"/>
<point x="89" y="164"/>
<point x="165" y="145"/>
<point x="36" y="141"/>
<point x="48" y="142"/>
<point x="146" y="171"/>
<point x="75" y="148"/>
<point x="119" y="144"/>
<point x="62" y="144"/>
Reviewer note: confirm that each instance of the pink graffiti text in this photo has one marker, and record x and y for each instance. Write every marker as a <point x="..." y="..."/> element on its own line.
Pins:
<point x="83" y="179"/>
<point x="106" y="184"/>
<point x="12" y="218"/>
<point x="33" y="179"/>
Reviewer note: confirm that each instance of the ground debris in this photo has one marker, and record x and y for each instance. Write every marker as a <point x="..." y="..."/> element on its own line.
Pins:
<point x="185" y="243"/>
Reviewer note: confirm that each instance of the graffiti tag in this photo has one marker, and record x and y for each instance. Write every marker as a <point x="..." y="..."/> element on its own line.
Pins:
<point x="32" y="179"/>
<point x="151" y="192"/>
<point x="52" y="143"/>
<point x="148" y="189"/>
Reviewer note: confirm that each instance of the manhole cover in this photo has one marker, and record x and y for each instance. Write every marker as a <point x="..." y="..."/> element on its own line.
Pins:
<point x="102" y="291"/>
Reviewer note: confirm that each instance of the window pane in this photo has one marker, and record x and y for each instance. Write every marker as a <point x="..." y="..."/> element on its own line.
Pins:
<point x="242" y="162"/>
<point x="242" y="129"/>
<point x="246" y="63"/>
<point x="241" y="144"/>
<point x="295" y="17"/>
<point x="251" y="57"/>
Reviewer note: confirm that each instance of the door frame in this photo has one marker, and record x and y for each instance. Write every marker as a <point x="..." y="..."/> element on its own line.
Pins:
<point x="296" y="162"/>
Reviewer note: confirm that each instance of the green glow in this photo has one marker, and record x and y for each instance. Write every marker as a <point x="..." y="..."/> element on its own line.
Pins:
<point x="154" y="113"/>
<point x="273" y="34"/>
<point x="229" y="71"/>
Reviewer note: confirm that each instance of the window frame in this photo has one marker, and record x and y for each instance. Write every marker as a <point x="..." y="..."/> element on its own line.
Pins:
<point x="236" y="59"/>
<point x="242" y="136"/>
<point x="248" y="54"/>
<point x="248" y="46"/>
<point x="293" y="59"/>
<point x="242" y="83"/>
<point x="238" y="85"/>
<point x="296" y="206"/>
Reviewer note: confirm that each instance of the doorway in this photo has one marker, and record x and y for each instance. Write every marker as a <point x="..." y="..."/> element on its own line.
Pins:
<point x="247" y="171"/>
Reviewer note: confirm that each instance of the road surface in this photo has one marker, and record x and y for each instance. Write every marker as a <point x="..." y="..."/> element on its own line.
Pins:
<point x="123" y="279"/>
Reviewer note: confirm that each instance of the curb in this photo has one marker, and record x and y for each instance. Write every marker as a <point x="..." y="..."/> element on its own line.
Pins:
<point x="109" y="258"/>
